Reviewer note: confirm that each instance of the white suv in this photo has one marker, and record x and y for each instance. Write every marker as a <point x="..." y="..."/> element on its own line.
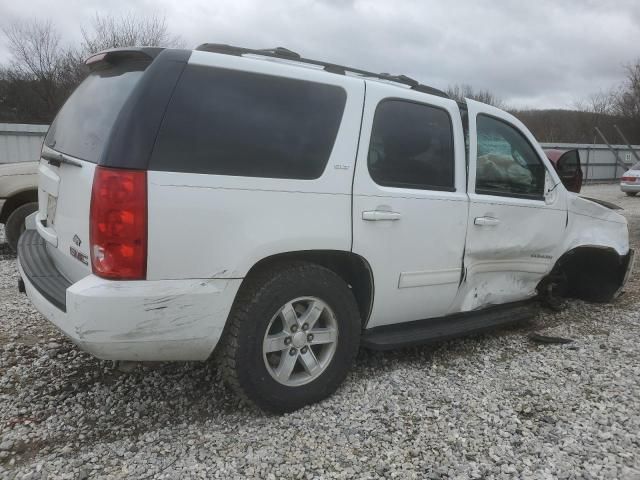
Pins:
<point x="284" y="211"/>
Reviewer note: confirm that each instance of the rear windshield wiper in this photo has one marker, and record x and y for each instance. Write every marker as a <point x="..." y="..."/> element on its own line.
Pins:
<point x="58" y="158"/>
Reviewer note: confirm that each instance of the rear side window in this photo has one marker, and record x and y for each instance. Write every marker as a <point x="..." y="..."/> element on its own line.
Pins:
<point x="228" y="122"/>
<point x="82" y="127"/>
<point x="411" y="146"/>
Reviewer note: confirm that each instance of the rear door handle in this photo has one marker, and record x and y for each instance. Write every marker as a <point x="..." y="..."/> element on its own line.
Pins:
<point x="378" y="215"/>
<point x="486" y="221"/>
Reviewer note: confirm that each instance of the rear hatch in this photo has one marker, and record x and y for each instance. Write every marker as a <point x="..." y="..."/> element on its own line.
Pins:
<point x="73" y="147"/>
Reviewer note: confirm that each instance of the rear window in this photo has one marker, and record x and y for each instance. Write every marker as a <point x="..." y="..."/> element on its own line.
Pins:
<point x="228" y="122"/>
<point x="83" y="125"/>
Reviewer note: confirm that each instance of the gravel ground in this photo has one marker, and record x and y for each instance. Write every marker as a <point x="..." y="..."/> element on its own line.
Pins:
<point x="491" y="406"/>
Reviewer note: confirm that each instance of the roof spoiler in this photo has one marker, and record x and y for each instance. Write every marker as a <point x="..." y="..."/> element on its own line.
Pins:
<point x="116" y="55"/>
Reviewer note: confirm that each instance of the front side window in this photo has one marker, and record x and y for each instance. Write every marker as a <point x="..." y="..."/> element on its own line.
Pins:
<point x="411" y="146"/>
<point x="506" y="163"/>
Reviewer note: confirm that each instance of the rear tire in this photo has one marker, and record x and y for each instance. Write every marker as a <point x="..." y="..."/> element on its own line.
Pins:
<point x="631" y="194"/>
<point x="258" y="343"/>
<point x="14" y="226"/>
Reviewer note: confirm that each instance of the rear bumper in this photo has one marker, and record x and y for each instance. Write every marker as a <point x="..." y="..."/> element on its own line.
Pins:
<point x="160" y="320"/>
<point x="630" y="187"/>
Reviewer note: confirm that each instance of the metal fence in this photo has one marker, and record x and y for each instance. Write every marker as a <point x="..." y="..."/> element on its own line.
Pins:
<point x="20" y="142"/>
<point x="599" y="162"/>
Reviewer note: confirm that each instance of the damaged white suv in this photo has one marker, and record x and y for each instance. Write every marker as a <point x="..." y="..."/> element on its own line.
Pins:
<point x="282" y="212"/>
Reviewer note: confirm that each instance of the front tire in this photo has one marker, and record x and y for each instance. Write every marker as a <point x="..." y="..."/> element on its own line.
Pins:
<point x="15" y="223"/>
<point x="291" y="338"/>
<point x="631" y="194"/>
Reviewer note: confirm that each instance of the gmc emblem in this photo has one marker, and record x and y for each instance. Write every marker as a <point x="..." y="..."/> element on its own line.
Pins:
<point x="79" y="255"/>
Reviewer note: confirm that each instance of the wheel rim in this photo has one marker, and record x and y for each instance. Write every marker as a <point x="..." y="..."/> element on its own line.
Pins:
<point x="300" y="341"/>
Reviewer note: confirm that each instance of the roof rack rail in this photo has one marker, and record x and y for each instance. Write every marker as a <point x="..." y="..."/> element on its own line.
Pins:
<point x="286" y="54"/>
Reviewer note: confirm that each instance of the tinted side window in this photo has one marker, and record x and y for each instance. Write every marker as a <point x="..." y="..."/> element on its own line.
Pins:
<point x="411" y="146"/>
<point x="229" y="122"/>
<point x="506" y="164"/>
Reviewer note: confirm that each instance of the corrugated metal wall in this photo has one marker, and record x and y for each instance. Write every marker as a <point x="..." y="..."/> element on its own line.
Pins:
<point x="598" y="161"/>
<point x="20" y="142"/>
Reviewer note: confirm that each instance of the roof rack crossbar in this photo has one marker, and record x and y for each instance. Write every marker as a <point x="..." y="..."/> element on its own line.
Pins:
<point x="285" y="53"/>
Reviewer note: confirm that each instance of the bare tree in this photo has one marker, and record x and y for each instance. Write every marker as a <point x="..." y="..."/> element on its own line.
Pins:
<point x="600" y="103"/>
<point x="39" y="60"/>
<point x="43" y="71"/>
<point x="35" y="47"/>
<point x="627" y="99"/>
<point x="126" y="31"/>
<point x="459" y="92"/>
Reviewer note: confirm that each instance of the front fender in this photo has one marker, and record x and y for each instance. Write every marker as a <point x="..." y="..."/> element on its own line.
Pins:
<point x="594" y="225"/>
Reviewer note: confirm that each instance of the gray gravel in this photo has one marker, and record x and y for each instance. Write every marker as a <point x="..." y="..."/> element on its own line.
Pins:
<point x="491" y="406"/>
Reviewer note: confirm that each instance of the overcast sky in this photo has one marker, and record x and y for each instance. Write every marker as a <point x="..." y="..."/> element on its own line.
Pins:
<point x="540" y="54"/>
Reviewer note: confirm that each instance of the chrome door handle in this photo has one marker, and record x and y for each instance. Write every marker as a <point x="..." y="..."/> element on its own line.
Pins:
<point x="486" y="221"/>
<point x="377" y="215"/>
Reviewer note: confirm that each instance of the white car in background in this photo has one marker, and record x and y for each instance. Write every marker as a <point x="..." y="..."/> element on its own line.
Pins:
<point x="630" y="181"/>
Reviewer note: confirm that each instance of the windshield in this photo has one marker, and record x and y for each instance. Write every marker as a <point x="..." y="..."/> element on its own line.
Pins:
<point x="83" y="125"/>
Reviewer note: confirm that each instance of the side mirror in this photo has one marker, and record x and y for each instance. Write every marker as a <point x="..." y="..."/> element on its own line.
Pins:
<point x="569" y="169"/>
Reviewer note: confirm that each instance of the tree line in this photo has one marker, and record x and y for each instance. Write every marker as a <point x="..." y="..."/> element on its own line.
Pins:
<point x="605" y="110"/>
<point x="43" y="72"/>
<point x="620" y="107"/>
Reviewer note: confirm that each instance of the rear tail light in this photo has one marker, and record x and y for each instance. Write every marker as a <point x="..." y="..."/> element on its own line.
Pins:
<point x="629" y="179"/>
<point x="118" y="224"/>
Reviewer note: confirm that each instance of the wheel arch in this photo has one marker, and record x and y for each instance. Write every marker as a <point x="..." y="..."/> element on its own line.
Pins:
<point x="352" y="268"/>
<point x="590" y="272"/>
<point x="17" y="199"/>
